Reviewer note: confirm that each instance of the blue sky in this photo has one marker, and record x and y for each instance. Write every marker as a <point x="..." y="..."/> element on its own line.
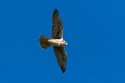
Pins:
<point x="94" y="30"/>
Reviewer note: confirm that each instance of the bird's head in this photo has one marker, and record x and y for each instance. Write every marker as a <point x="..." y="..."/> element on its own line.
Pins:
<point x="64" y="42"/>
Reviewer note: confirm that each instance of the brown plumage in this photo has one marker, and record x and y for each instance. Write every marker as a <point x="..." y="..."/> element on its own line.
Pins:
<point x="61" y="57"/>
<point x="57" y="28"/>
<point x="44" y="42"/>
<point x="57" y="33"/>
<point x="57" y="41"/>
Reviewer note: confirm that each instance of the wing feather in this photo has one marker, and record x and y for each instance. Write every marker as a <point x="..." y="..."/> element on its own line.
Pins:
<point x="57" y="28"/>
<point x="61" y="57"/>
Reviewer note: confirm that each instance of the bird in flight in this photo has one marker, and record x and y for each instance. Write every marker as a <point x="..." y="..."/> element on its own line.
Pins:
<point x="56" y="41"/>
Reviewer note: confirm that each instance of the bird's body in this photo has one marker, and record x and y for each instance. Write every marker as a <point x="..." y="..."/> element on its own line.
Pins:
<point x="56" y="41"/>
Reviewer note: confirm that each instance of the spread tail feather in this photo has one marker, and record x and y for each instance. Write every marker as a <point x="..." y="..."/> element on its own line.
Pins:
<point x="44" y="42"/>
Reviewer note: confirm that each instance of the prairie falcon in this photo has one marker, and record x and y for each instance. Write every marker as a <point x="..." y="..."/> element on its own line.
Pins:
<point x="56" y="41"/>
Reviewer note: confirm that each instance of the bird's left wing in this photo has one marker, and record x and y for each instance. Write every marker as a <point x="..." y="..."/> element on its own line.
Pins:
<point x="61" y="57"/>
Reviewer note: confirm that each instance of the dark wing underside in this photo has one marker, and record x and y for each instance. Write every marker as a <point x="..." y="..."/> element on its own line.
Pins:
<point x="57" y="28"/>
<point x="61" y="57"/>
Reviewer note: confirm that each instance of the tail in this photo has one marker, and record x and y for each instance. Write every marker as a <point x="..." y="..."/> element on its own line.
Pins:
<point x="44" y="42"/>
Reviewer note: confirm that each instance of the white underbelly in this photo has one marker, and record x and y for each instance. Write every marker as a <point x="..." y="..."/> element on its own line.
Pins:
<point x="56" y="42"/>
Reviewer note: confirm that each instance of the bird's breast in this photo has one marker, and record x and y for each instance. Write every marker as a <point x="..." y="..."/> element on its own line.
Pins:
<point x="56" y="42"/>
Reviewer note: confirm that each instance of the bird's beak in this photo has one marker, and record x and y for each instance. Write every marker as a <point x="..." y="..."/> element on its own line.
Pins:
<point x="66" y="43"/>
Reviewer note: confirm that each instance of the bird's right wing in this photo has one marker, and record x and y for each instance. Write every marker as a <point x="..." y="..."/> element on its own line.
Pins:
<point x="57" y="27"/>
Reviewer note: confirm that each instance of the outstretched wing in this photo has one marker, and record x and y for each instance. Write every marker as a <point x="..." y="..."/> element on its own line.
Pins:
<point x="57" y="28"/>
<point x="61" y="57"/>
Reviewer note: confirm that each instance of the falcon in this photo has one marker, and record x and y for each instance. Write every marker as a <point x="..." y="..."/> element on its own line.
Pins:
<point x="56" y="41"/>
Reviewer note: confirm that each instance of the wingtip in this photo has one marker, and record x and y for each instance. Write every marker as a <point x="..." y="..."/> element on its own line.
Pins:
<point x="63" y="69"/>
<point x="55" y="9"/>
